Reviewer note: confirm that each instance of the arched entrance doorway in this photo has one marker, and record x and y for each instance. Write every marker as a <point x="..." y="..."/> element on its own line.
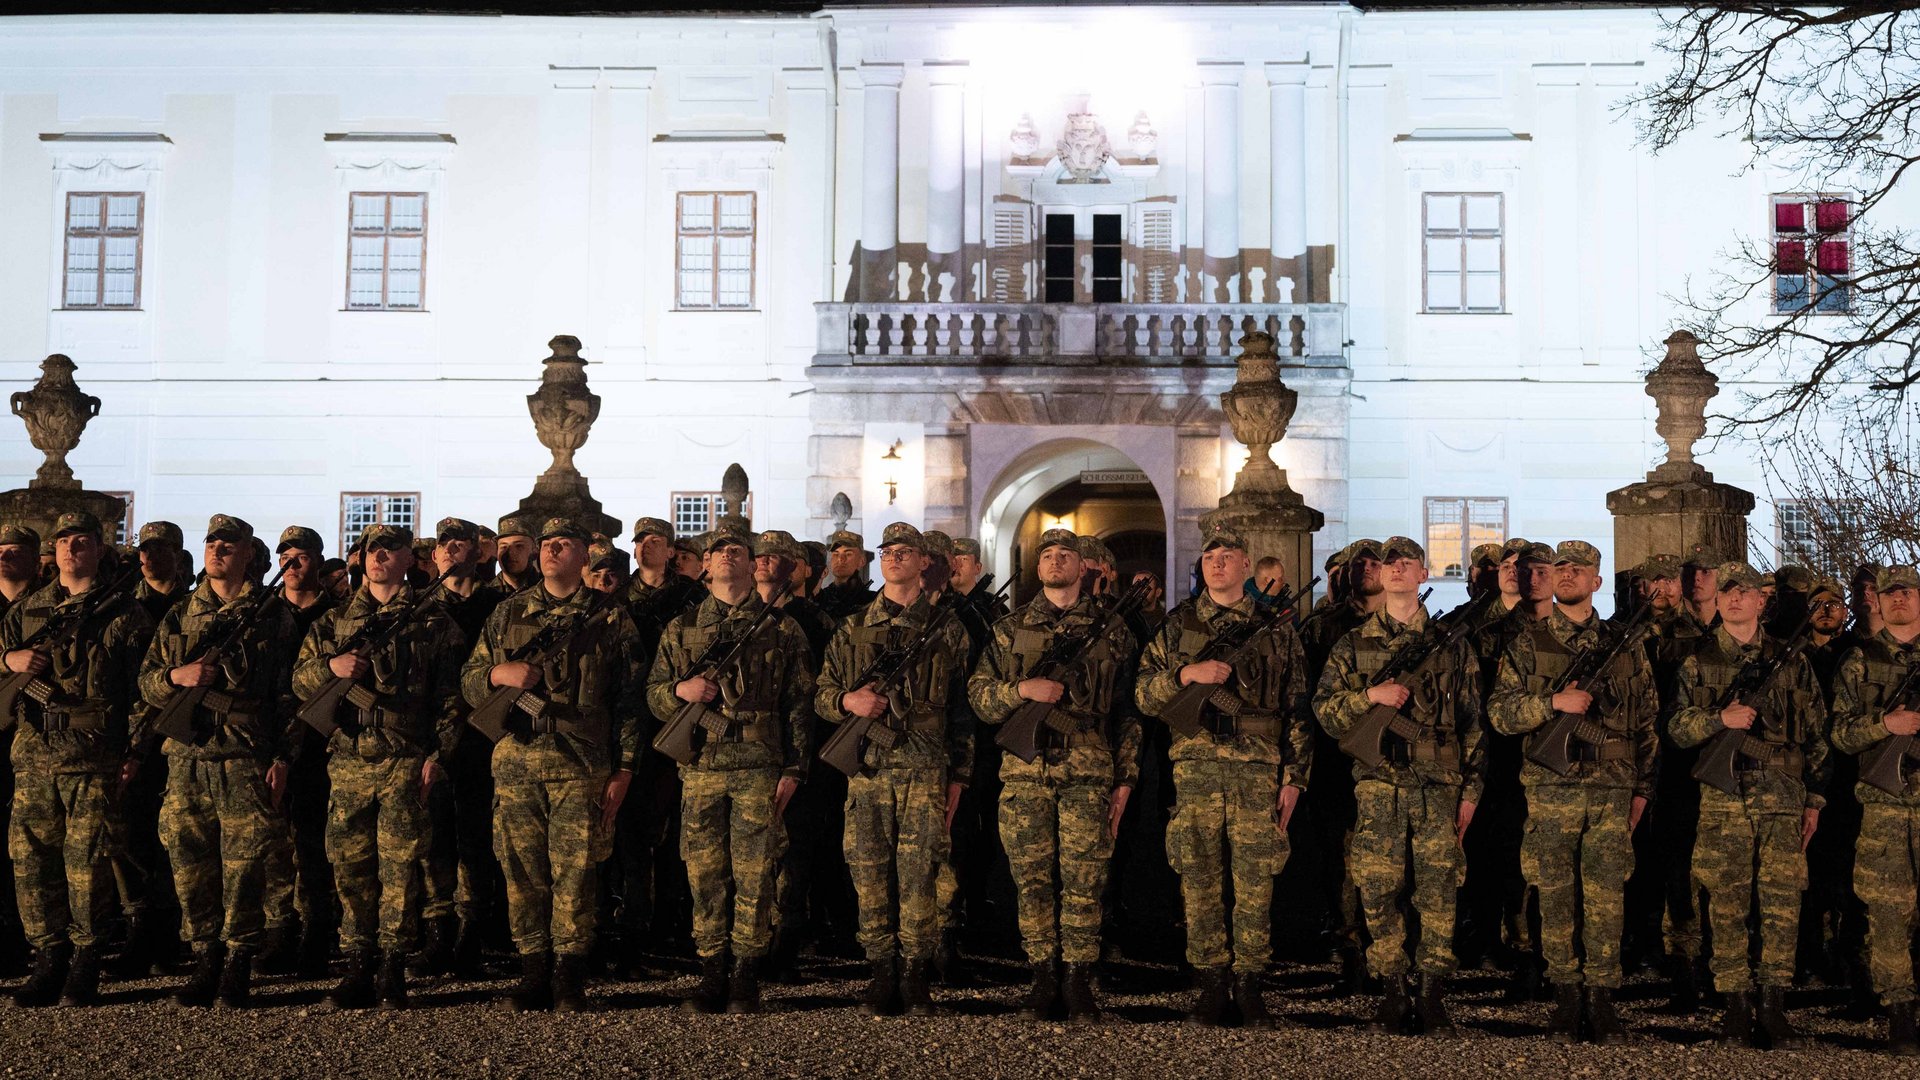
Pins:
<point x="1078" y="484"/>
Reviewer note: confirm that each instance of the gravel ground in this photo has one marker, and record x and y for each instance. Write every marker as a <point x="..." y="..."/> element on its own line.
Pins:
<point x="812" y="1030"/>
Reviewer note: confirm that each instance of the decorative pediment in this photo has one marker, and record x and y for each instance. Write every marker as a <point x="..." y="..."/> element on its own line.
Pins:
<point x="103" y="152"/>
<point x="381" y="160"/>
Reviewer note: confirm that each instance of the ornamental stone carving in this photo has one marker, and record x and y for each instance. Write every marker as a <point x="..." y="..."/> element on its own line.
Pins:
<point x="55" y="412"/>
<point x="1141" y="137"/>
<point x="840" y="510"/>
<point x="1680" y="388"/>
<point x="1024" y="139"/>
<point x="563" y="412"/>
<point x="1259" y="407"/>
<point x="1083" y="146"/>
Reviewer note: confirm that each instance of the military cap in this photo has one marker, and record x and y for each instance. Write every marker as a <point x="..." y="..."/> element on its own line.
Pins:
<point x="564" y="527"/>
<point x="1794" y="578"/>
<point x="1058" y="538"/>
<point x="299" y="536"/>
<point x="1766" y="580"/>
<point x="844" y="538"/>
<point x="602" y="555"/>
<point x="1221" y="536"/>
<point x="1535" y="551"/>
<point x="966" y="545"/>
<point x="1729" y="574"/>
<point x="1577" y="552"/>
<point x="901" y="532"/>
<point x="1094" y="549"/>
<point x="816" y="551"/>
<point x="386" y="536"/>
<point x="1655" y="567"/>
<point x="486" y="532"/>
<point x="938" y="543"/>
<point x="453" y="528"/>
<point x="165" y="532"/>
<point x="1514" y="545"/>
<point x="779" y="542"/>
<point x="1363" y="548"/>
<point x="1706" y="558"/>
<point x="730" y="534"/>
<point x="229" y="528"/>
<point x="1896" y="577"/>
<point x="1485" y="555"/>
<point x="1402" y="547"/>
<point x="75" y="521"/>
<point x="652" y="526"/>
<point x="692" y="545"/>
<point x="12" y="532"/>
<point x="1827" y="585"/>
<point x="515" y="525"/>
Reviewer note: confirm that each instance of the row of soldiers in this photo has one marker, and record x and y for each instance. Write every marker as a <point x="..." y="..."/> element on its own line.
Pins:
<point x="1415" y="722"/>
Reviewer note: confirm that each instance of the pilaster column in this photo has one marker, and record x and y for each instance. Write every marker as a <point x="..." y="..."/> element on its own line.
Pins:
<point x="1221" y="271"/>
<point x="946" y="180"/>
<point x="1287" y="91"/>
<point x="880" y="181"/>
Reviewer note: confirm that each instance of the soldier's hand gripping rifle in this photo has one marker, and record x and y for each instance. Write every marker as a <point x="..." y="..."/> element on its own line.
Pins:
<point x="1552" y="748"/>
<point x="550" y="643"/>
<point x="1882" y="765"/>
<point x="1723" y="751"/>
<point x="174" y="720"/>
<point x="374" y="634"/>
<point x="1187" y="711"/>
<point x="58" y="631"/>
<point x="680" y="738"/>
<point x="1020" y="732"/>
<point x="1364" y="743"/>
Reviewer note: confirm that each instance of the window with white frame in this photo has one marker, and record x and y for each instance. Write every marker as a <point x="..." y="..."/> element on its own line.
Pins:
<point x="715" y="250"/>
<point x="1807" y="531"/>
<point x="102" y="259"/>
<point x="696" y="511"/>
<point x="1812" y="254"/>
<point x="387" y="251"/>
<point x="1455" y="525"/>
<point x="123" y="525"/>
<point x="1464" y="257"/>
<point x="359" y="509"/>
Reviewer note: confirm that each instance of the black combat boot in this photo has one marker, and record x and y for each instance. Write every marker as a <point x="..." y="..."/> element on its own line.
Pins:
<point x="49" y="975"/>
<point x="1603" y="1021"/>
<point x="948" y="964"/>
<point x="1781" y="1034"/>
<point x="915" y="995"/>
<point x="356" y="989"/>
<point x="782" y="962"/>
<point x="883" y="988"/>
<point x="1209" y="1007"/>
<point x="1685" y="998"/>
<point x="1529" y="980"/>
<point x="281" y="953"/>
<point x="1390" y="1018"/>
<point x="1044" y="993"/>
<point x="136" y="959"/>
<point x="236" y="981"/>
<point x="1902" y="1038"/>
<point x="1736" y="1027"/>
<point x="1252" y="1003"/>
<point x="204" y="983"/>
<point x="1082" y="1009"/>
<point x="83" y="978"/>
<point x="316" y="950"/>
<point x="393" y="981"/>
<point x="1563" y="1024"/>
<point x="570" y="984"/>
<point x="711" y="995"/>
<point x="436" y="952"/>
<point x="1432" y="1006"/>
<point x="468" y="963"/>
<point x="1353" y="973"/>
<point x="534" y="991"/>
<point x="743" y="992"/>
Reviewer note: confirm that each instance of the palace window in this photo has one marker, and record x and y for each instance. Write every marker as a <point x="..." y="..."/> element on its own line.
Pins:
<point x="1455" y="526"/>
<point x="123" y="525"/>
<point x="715" y="250"/>
<point x="1810" y="532"/>
<point x="1464" y="258"/>
<point x="103" y="248"/>
<point x="1812" y="254"/>
<point x="359" y="509"/>
<point x="695" y="511"/>
<point x="387" y="251"/>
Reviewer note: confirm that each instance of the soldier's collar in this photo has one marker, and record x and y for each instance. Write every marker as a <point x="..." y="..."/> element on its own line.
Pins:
<point x="1382" y="622"/>
<point x="205" y="599"/>
<point x="1209" y="607"/>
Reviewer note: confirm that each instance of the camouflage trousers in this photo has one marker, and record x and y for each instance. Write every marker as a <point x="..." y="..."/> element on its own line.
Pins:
<point x="61" y="840"/>
<point x="896" y="839"/>
<point x="461" y="875"/>
<point x="548" y="838"/>
<point x="377" y="836"/>
<point x="219" y="825"/>
<point x="1576" y="853"/>
<point x="1404" y="850"/>
<point x="1226" y="822"/>
<point x="1748" y="856"/>
<point x="1058" y="848"/>
<point x="731" y="845"/>
<point x="1886" y="869"/>
<point x="299" y="879"/>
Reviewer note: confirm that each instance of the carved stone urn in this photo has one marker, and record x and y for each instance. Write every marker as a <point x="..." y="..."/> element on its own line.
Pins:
<point x="1024" y="139"/>
<point x="56" y="411"/>
<point x="1680" y="388"/>
<point x="1083" y="146"/>
<point x="563" y="411"/>
<point x="733" y="498"/>
<point x="1141" y="137"/>
<point x="840" y="510"/>
<point x="1259" y="407"/>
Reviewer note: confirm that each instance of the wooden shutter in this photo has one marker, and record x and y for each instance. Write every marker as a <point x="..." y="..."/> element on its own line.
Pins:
<point x="1157" y="254"/>
<point x="1010" y="254"/>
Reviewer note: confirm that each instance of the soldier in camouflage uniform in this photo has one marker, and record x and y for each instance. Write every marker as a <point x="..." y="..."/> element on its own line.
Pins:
<point x="1753" y="842"/>
<point x="1577" y="852"/>
<point x="384" y="759"/>
<point x="845" y="591"/>
<point x="19" y="554"/>
<point x="68" y="732"/>
<point x="967" y="873"/>
<point x="560" y="776"/>
<point x="918" y="759"/>
<point x="1833" y="920"/>
<point x="1416" y="805"/>
<point x="1886" y="858"/>
<point x="1060" y="813"/>
<point x="519" y="560"/>
<point x="221" y="816"/>
<point x="736" y="791"/>
<point x="1236" y="779"/>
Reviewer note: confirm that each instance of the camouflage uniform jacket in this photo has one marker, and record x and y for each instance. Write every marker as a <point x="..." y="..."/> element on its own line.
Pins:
<point x="256" y="674"/>
<point x="593" y="689"/>
<point x="305" y="617"/>
<point x="503" y="586"/>
<point x="768" y="696"/>
<point x="415" y="679"/>
<point x="469" y="613"/>
<point x="156" y="602"/>
<point x="1272" y="680"/>
<point x="93" y="674"/>
<point x="1106" y="749"/>
<point x="1792" y="717"/>
<point x="844" y="600"/>
<point x="1624" y="703"/>
<point x="930" y="711"/>
<point x="1870" y="672"/>
<point x="1498" y="627"/>
<point x="815" y="623"/>
<point x="1446" y="702"/>
<point x="651" y="613"/>
<point x="1323" y="629"/>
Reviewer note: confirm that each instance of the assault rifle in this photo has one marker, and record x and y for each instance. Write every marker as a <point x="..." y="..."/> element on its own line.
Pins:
<point x="1716" y="764"/>
<point x="680" y="738"/>
<point x="175" y="718"/>
<point x="1020" y="732"/>
<point x="372" y="636"/>
<point x="1882" y="764"/>
<point x="1552" y="749"/>
<point x="549" y="643"/>
<point x="1363" y="743"/>
<point x="59" y="629"/>
<point x="1185" y="713"/>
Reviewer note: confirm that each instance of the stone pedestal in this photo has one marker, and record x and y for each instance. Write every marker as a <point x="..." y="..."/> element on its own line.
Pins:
<point x="1679" y="504"/>
<point x="1262" y="507"/>
<point x="563" y="412"/>
<point x="55" y="411"/>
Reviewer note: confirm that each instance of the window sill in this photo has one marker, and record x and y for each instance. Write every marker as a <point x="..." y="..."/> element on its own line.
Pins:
<point x="102" y="310"/>
<point x="382" y="311"/>
<point x="717" y="311"/>
<point x="1470" y="314"/>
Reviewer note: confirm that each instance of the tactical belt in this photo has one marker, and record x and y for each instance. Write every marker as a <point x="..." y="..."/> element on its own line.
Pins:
<point x="230" y="709"/>
<point x="1256" y="725"/>
<point x="553" y="718"/>
<point x="1616" y="748"/>
<point x="52" y="720"/>
<point x="1428" y="752"/>
<point x="1757" y="754"/>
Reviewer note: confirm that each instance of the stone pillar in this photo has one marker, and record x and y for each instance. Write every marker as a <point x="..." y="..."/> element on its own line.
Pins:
<point x="946" y="182"/>
<point x="1221" y="271"/>
<point x="880" y="182"/>
<point x="56" y="411"/>
<point x="1679" y="504"/>
<point x="1262" y="507"/>
<point x="563" y="412"/>
<point x="1287" y="89"/>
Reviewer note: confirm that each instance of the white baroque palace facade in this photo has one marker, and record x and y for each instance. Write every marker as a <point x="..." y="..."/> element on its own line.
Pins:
<point x="310" y="264"/>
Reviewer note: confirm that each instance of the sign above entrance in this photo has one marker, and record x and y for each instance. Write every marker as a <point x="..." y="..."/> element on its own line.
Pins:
<point x="1113" y="476"/>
